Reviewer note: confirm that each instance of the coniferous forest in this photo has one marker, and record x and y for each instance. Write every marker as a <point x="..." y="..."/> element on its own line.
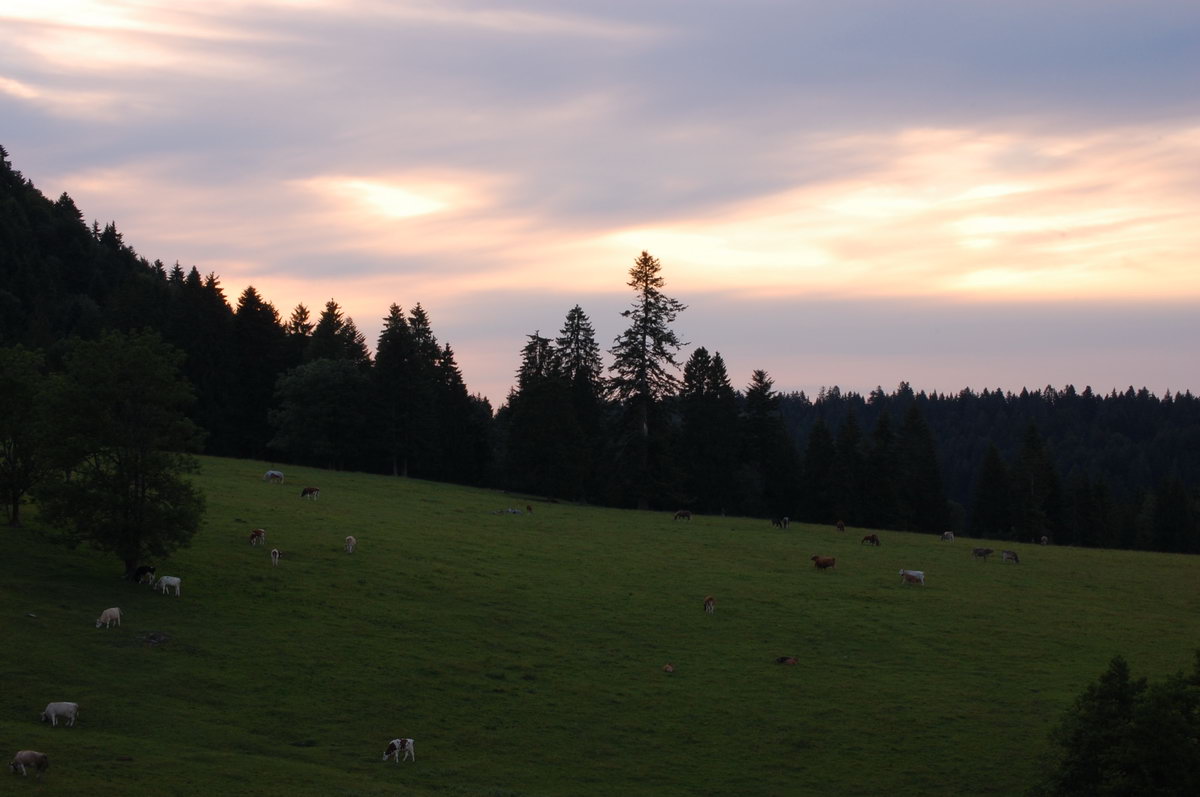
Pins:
<point x="655" y="429"/>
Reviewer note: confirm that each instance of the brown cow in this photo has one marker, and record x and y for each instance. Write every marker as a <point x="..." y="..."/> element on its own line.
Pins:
<point x="710" y="604"/>
<point x="982" y="553"/>
<point x="871" y="538"/>
<point x="840" y="526"/>
<point x="786" y="660"/>
<point x="823" y="562"/>
<point x="683" y="514"/>
<point x="311" y="492"/>
<point x="25" y="760"/>
<point x="909" y="578"/>
<point x="258" y="536"/>
<point x="668" y="668"/>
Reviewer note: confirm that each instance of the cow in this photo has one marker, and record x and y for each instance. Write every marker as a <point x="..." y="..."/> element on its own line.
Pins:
<point x="398" y="747"/>
<point x="780" y="522"/>
<point x="311" y="492"/>
<point x="143" y="573"/>
<point x="351" y="541"/>
<point x="1010" y="556"/>
<point x="275" y="554"/>
<point x="1045" y="540"/>
<point x="947" y="536"/>
<point x="25" y="760"/>
<point x="529" y="508"/>
<point x="786" y="660"/>
<point x="982" y="553"/>
<point x="710" y="604"/>
<point x="683" y="514"/>
<point x="912" y="577"/>
<point x="166" y="582"/>
<point x="68" y="711"/>
<point x="668" y="668"/>
<point x="823" y="562"/>
<point x="273" y="476"/>
<point x="258" y="536"/>
<point x="108" y="616"/>
<point x="873" y="539"/>
<point x="840" y="526"/>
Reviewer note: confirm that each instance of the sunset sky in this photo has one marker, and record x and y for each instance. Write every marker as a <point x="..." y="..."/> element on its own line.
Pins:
<point x="1001" y="193"/>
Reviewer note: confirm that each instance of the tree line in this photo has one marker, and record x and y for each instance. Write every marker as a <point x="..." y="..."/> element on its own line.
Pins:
<point x="650" y="431"/>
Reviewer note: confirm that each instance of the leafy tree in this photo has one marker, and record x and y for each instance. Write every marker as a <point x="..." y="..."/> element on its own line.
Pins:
<point x="1124" y="737"/>
<point x="22" y="434"/>
<point x="641" y="377"/>
<point x="120" y="413"/>
<point x="321" y="413"/>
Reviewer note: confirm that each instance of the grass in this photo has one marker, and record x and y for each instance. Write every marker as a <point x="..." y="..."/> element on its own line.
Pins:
<point x="524" y="652"/>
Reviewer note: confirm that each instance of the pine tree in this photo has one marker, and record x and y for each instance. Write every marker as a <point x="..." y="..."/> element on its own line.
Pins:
<point x="642" y="357"/>
<point x="767" y="452"/>
<point x="579" y="361"/>
<point x="816" y="491"/>
<point x="991" y="508"/>
<point x="1037" y="497"/>
<point x="397" y="385"/>
<point x="261" y="349"/>
<point x="849" y="473"/>
<point x="710" y="445"/>
<point x="922" y="499"/>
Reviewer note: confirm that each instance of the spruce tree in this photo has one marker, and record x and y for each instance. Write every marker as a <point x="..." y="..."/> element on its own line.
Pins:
<point x="643" y="358"/>
<point x="992" y="505"/>
<point x="922" y="499"/>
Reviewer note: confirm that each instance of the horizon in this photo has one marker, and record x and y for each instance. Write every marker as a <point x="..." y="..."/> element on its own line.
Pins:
<point x="995" y="196"/>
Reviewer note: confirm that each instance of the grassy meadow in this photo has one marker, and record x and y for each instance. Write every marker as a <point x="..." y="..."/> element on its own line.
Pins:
<point x="524" y="653"/>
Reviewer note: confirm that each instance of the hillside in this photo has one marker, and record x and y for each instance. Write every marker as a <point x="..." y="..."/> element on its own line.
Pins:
<point x="523" y="653"/>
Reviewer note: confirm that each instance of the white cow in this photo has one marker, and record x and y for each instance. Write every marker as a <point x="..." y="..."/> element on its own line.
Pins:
<point x="273" y="476"/>
<point x="30" y="759"/>
<point x="351" y="541"/>
<point x="947" y="536"/>
<point x="68" y="711"/>
<point x="398" y="747"/>
<point x="919" y="575"/>
<point x="169" y="581"/>
<point x="275" y="554"/>
<point x="108" y="616"/>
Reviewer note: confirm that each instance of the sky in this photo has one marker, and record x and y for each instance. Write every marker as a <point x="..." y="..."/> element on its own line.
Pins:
<point x="952" y="193"/>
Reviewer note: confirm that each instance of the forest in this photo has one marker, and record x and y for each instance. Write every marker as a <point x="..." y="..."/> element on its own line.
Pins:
<point x="652" y="430"/>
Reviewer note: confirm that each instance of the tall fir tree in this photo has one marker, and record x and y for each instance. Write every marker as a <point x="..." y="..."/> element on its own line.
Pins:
<point x="991" y="509"/>
<point x="643" y="361"/>
<point x="922" y="499"/>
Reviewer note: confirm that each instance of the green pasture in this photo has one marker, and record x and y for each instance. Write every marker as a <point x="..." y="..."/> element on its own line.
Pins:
<point x="524" y="653"/>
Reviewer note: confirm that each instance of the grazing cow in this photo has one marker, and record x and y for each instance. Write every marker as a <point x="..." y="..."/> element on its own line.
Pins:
<point x="919" y="575"/>
<point x="168" y="581"/>
<point x="108" y="616"/>
<point x="947" y="536"/>
<point x="529" y="508"/>
<point x="273" y="476"/>
<point x="982" y="553"/>
<point x="668" y="668"/>
<point x="68" y="711"/>
<point x="275" y="554"/>
<point x="258" y="537"/>
<point x="143" y="573"/>
<point x="777" y="522"/>
<point x="29" y="759"/>
<point x="710" y="604"/>
<point x="683" y="514"/>
<point x="823" y="562"/>
<point x="873" y="539"/>
<point x="351" y="541"/>
<point x="786" y="660"/>
<point x="840" y="526"/>
<point x="1010" y="556"/>
<point x="311" y="492"/>
<point x="1045" y="540"/>
<point x="398" y="747"/>
<point x="909" y="578"/>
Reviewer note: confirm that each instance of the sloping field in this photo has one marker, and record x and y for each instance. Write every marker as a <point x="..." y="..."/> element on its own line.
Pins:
<point x="524" y="652"/>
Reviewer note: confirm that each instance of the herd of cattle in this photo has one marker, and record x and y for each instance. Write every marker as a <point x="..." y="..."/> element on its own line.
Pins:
<point x="401" y="749"/>
<point x="25" y="760"/>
